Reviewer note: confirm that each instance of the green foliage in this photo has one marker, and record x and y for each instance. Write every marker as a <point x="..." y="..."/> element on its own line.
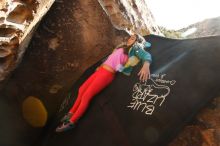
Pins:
<point x="171" y="33"/>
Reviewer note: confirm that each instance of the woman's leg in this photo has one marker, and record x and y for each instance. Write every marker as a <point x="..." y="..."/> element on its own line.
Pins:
<point x="81" y="90"/>
<point x="103" y="78"/>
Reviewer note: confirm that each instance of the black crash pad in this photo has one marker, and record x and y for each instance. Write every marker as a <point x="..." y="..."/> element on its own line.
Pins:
<point x="184" y="78"/>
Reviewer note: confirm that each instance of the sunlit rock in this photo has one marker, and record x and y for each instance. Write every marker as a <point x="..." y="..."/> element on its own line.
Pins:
<point x="131" y="15"/>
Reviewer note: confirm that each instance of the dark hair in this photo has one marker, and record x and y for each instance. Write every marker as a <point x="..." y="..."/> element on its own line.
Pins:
<point x="140" y="38"/>
<point x="124" y="44"/>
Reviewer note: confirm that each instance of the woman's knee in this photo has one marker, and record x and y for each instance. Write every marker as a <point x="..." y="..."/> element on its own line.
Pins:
<point x="80" y="90"/>
<point x="85" y="103"/>
<point x="87" y="96"/>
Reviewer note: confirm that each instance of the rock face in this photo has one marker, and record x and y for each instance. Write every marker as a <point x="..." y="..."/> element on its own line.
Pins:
<point x="204" y="131"/>
<point x="131" y="15"/>
<point x="17" y="22"/>
<point x="73" y="36"/>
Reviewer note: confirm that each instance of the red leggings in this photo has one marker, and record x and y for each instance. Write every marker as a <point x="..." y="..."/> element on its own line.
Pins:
<point x="93" y="85"/>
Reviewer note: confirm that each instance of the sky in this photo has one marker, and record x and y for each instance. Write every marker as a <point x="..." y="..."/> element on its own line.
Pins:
<point x="177" y="14"/>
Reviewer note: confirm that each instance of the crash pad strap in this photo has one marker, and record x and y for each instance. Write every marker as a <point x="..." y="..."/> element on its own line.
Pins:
<point x="111" y="119"/>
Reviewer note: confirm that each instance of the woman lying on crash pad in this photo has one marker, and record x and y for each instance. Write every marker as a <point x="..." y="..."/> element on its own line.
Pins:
<point x="122" y="59"/>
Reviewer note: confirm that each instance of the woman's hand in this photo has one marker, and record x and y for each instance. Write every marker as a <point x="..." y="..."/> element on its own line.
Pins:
<point x="144" y="72"/>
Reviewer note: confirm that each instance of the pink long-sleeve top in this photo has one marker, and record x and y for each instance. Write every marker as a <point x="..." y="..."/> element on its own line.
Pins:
<point x="117" y="59"/>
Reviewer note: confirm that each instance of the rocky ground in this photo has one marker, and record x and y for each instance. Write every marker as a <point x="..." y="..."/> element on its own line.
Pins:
<point x="204" y="130"/>
<point x="208" y="27"/>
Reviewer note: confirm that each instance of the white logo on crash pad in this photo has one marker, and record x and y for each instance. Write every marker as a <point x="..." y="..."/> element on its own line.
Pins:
<point x="147" y="95"/>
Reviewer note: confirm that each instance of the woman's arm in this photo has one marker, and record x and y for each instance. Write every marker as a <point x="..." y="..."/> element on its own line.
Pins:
<point x="144" y="73"/>
<point x="146" y="59"/>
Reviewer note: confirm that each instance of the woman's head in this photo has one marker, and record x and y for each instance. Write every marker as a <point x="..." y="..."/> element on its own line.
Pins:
<point x="132" y="40"/>
<point x="129" y="42"/>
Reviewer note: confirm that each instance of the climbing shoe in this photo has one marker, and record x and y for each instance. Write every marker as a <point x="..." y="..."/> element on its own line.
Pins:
<point x="65" y="126"/>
